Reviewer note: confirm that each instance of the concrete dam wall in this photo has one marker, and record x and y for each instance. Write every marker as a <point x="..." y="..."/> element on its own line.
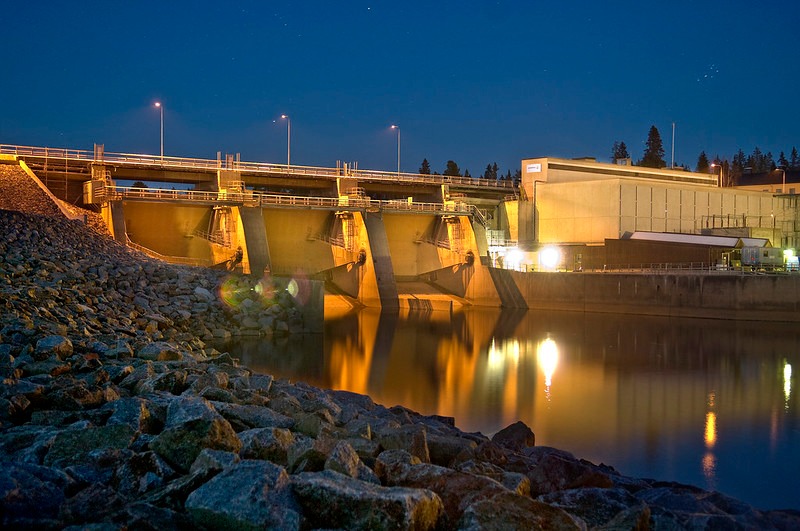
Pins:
<point x="724" y="295"/>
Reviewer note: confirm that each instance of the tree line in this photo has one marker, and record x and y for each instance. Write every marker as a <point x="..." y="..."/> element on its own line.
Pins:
<point x="732" y="170"/>
<point x="451" y="168"/>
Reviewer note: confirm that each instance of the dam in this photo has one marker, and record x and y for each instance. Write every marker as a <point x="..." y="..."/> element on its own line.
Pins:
<point x="411" y="242"/>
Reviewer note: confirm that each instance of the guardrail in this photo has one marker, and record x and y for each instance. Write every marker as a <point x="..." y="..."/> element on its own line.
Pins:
<point x="157" y="161"/>
<point x="251" y="198"/>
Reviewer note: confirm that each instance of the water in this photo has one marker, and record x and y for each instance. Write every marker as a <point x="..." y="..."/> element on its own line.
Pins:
<point x="711" y="403"/>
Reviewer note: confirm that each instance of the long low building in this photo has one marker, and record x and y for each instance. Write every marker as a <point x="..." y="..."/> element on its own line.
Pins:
<point x="583" y="202"/>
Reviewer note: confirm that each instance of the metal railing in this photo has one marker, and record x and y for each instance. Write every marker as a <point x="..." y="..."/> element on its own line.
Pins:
<point x="165" y="162"/>
<point x="181" y="260"/>
<point x="117" y="193"/>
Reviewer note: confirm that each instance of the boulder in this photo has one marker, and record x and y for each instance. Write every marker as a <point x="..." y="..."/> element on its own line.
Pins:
<point x="159" y="351"/>
<point x="333" y="500"/>
<point x="516" y="437"/>
<point x="193" y="424"/>
<point x="555" y="471"/>
<point x="602" y="508"/>
<point x="71" y="447"/>
<point x="253" y="416"/>
<point x="507" y="511"/>
<point x="248" y="495"/>
<point x="59" y="347"/>
<point x="271" y="444"/>
<point x="31" y="491"/>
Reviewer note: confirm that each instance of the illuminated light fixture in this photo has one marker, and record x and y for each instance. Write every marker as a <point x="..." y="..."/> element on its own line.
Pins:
<point x="787" y="382"/>
<point x="549" y="257"/>
<point x="513" y="258"/>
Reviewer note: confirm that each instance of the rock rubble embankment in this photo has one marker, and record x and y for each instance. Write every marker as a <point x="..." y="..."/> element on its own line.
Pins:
<point x="115" y="413"/>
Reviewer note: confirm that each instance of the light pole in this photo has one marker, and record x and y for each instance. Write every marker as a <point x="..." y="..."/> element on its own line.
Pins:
<point x="398" y="147"/>
<point x="161" y="108"/>
<point x="288" y="138"/>
<point x="720" y="181"/>
<point x="783" y="179"/>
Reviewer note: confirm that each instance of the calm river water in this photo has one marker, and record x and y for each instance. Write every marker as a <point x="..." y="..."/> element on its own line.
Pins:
<point x="711" y="403"/>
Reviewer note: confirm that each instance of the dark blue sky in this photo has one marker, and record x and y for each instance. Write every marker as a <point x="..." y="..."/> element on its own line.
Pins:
<point x="475" y="82"/>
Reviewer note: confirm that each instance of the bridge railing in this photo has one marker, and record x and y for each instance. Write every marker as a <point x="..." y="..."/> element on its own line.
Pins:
<point x="251" y="198"/>
<point x="168" y="162"/>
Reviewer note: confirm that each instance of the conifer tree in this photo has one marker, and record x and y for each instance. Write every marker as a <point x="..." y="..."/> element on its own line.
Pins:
<point x="702" y="163"/>
<point x="452" y="169"/>
<point x="425" y="168"/>
<point x="654" y="150"/>
<point x="619" y="152"/>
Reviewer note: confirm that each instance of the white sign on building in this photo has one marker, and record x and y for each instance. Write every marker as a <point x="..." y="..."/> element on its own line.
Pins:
<point x="534" y="168"/>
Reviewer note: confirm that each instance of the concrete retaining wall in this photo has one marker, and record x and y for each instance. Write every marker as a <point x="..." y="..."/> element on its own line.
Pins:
<point x="721" y="296"/>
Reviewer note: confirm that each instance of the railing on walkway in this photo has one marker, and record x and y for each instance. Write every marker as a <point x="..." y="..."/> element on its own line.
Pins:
<point x="181" y="260"/>
<point x="117" y="193"/>
<point x="665" y="268"/>
<point x="156" y="161"/>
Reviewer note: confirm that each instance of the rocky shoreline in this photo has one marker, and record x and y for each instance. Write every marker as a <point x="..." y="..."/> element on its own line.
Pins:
<point x="115" y="413"/>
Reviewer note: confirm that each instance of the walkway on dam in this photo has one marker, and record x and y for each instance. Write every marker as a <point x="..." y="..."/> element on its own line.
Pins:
<point x="152" y="167"/>
<point x="258" y="199"/>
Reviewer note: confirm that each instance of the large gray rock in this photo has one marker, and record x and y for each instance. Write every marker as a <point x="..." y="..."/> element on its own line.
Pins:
<point x="141" y="473"/>
<point x="344" y="459"/>
<point x="30" y="491"/>
<point x="516" y="437"/>
<point x="555" y="471"/>
<point x="253" y="416"/>
<point x="685" y="506"/>
<point x="333" y="500"/>
<point x="602" y="508"/>
<point x="248" y="495"/>
<point x="193" y="424"/>
<point x="411" y="437"/>
<point x="457" y="490"/>
<point x="70" y="447"/>
<point x="507" y="511"/>
<point x="159" y="351"/>
<point x="271" y="444"/>
<point x="134" y="412"/>
<point x="53" y="346"/>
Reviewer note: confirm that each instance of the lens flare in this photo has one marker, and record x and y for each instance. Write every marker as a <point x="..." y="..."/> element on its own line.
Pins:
<point x="299" y="288"/>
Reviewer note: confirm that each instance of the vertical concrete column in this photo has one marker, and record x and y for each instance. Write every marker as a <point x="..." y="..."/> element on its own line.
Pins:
<point x="385" y="285"/>
<point x="114" y="215"/>
<point x="255" y="246"/>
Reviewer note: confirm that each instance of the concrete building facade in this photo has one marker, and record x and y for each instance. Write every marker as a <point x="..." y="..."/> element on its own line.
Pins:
<point x="583" y="201"/>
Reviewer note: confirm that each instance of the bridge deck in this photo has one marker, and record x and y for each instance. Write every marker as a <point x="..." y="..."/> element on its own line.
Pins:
<point x="79" y="161"/>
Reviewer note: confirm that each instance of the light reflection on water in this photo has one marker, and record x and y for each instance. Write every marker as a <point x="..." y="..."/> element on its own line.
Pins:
<point x="698" y="401"/>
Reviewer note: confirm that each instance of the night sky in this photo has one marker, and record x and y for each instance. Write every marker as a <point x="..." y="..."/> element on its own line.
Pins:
<point x="476" y="82"/>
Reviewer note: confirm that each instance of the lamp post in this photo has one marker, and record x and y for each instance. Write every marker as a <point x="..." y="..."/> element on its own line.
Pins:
<point x="783" y="179"/>
<point x="288" y="138"/>
<point x="398" y="147"/>
<point x="161" y="108"/>
<point x="719" y="181"/>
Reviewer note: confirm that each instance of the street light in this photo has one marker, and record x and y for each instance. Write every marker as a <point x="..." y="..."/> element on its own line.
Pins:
<point x="288" y="138"/>
<point x="161" y="108"/>
<point x="398" y="147"/>
<point x="720" y="182"/>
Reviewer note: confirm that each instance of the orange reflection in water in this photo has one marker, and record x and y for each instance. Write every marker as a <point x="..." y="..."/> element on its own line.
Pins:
<point x="605" y="387"/>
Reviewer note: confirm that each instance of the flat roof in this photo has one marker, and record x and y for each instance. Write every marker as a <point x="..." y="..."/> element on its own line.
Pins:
<point x="699" y="239"/>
